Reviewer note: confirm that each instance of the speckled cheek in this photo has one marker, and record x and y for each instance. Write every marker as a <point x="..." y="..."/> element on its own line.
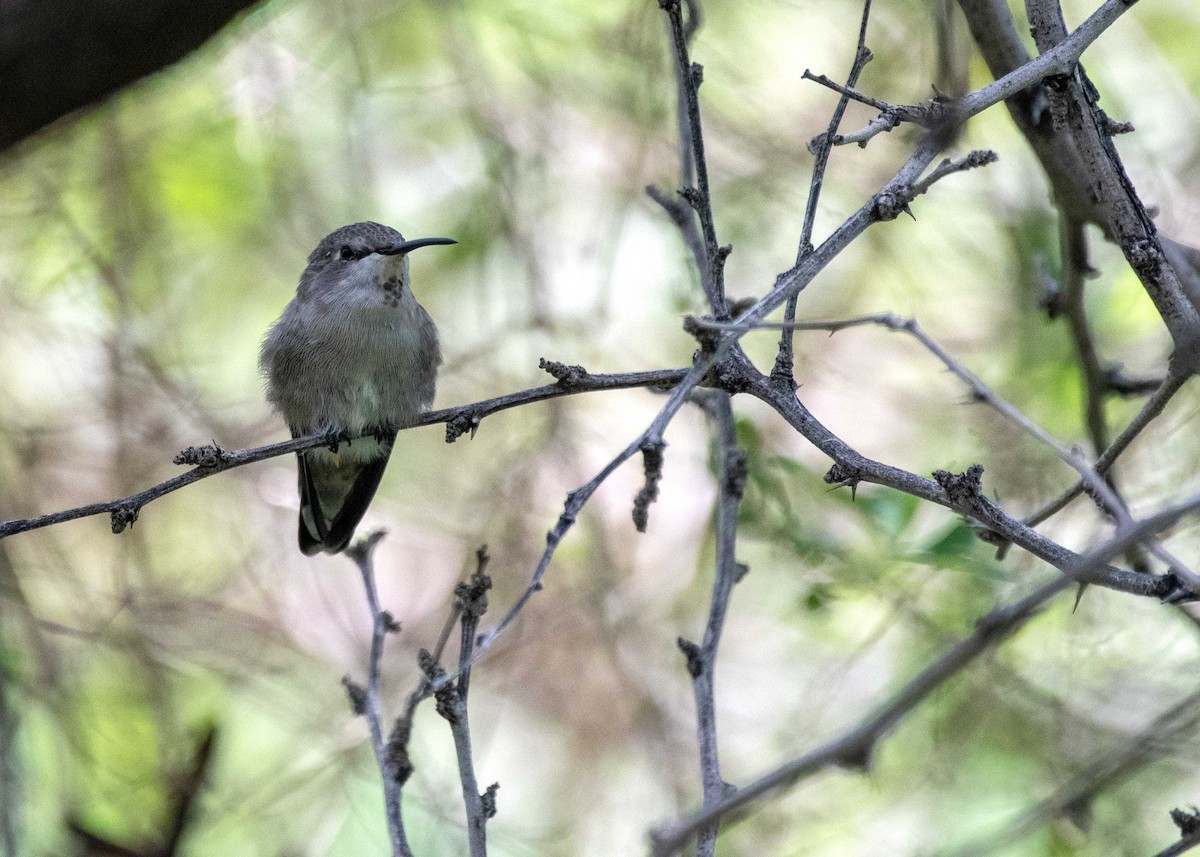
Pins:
<point x="392" y="287"/>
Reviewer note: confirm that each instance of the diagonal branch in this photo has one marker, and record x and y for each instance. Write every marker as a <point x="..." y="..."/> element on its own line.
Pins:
<point x="855" y="747"/>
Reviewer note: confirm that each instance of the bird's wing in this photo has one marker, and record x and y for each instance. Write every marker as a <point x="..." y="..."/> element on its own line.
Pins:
<point x="335" y="495"/>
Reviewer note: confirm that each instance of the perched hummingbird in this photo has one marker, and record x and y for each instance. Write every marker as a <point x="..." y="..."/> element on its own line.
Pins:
<point x="353" y="354"/>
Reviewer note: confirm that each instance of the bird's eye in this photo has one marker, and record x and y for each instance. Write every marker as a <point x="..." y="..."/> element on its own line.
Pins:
<point x="345" y="254"/>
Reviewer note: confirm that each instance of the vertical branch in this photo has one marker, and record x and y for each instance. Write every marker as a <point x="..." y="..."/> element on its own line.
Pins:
<point x="1075" y="270"/>
<point x="821" y="147"/>
<point x="366" y="700"/>
<point x="702" y="659"/>
<point x="699" y="195"/>
<point x="452" y="705"/>
<point x="687" y="164"/>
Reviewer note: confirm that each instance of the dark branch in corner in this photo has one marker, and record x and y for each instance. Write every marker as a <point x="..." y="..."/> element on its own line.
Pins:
<point x="1189" y="831"/>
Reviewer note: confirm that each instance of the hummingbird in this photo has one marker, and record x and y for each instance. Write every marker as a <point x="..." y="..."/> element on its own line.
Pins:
<point x="353" y="357"/>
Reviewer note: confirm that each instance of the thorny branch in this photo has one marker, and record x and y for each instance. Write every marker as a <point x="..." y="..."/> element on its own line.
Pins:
<point x="471" y="603"/>
<point x="391" y="754"/>
<point x="1074" y="106"/>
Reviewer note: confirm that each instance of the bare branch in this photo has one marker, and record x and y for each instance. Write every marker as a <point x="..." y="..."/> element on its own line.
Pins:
<point x="702" y="659"/>
<point x="362" y="553"/>
<point x="851" y="468"/>
<point x="1154" y="406"/>
<point x="472" y="599"/>
<point x="689" y="76"/>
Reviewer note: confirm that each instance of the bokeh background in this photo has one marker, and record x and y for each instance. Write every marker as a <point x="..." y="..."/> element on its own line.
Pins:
<point x="146" y="244"/>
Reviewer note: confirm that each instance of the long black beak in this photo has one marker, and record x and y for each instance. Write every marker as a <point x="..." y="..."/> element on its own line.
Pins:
<point x="406" y="246"/>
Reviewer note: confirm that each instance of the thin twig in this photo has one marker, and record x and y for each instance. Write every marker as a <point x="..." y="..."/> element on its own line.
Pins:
<point x="362" y="553"/>
<point x="689" y="76"/>
<point x="785" y="358"/>
<point x="1185" y="844"/>
<point x="973" y="160"/>
<point x="980" y="391"/>
<point x="1075" y="270"/>
<point x="211" y="460"/>
<point x="848" y="91"/>
<point x="1153" y="407"/>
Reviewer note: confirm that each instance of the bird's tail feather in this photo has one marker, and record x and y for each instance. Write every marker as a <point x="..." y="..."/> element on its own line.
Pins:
<point x="334" y="496"/>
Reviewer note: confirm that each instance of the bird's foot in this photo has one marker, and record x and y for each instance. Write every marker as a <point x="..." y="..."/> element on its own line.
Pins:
<point x="334" y="439"/>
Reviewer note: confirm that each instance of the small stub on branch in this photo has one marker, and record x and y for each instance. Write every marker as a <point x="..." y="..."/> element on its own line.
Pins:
<point x="843" y="476"/>
<point x="124" y="516"/>
<point x="398" y="760"/>
<point x="567" y="376"/>
<point x="472" y="594"/>
<point x="962" y="488"/>
<point x="888" y="206"/>
<point x="652" y="463"/>
<point x="462" y="424"/>
<point x="488" y="799"/>
<point x="695" y="660"/>
<point x="1116" y="127"/>
<point x="357" y="695"/>
<point x="202" y="456"/>
<point x="1187" y="822"/>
